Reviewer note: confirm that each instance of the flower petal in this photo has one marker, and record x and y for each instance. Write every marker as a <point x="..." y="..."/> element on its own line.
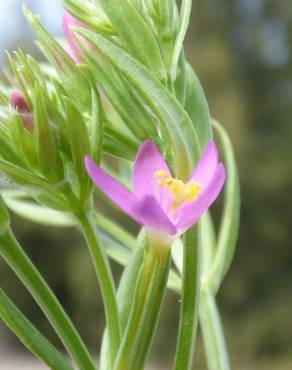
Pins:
<point x="116" y="192"/>
<point x="189" y="213"/>
<point x="68" y="20"/>
<point x="206" y="166"/>
<point x="151" y="215"/>
<point x="147" y="162"/>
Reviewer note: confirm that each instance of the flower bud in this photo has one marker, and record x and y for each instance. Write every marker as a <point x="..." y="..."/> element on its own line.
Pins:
<point x="18" y="103"/>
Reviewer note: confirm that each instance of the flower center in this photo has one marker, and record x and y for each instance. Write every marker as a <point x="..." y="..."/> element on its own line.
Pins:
<point x="180" y="192"/>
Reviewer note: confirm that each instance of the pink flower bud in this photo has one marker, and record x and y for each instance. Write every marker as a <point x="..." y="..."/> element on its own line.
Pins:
<point x="18" y="103"/>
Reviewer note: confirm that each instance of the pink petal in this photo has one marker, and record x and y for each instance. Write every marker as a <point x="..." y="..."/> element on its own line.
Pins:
<point x="150" y="214"/>
<point x="189" y="213"/>
<point x="147" y="162"/>
<point x="67" y="20"/>
<point x="71" y="54"/>
<point x="116" y="192"/>
<point x="206" y="166"/>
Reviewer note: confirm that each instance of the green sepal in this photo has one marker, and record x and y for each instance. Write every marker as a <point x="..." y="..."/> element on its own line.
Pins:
<point x="23" y="141"/>
<point x="43" y="134"/>
<point x="197" y="107"/>
<point x="73" y="79"/>
<point x="91" y="15"/>
<point x="134" y="32"/>
<point x="79" y="142"/>
<point x="31" y="338"/>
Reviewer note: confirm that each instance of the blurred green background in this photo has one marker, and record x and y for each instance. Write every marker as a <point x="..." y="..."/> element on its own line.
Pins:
<point x="241" y="51"/>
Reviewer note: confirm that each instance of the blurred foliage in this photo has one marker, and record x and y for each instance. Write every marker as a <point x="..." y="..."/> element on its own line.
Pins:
<point x="241" y="51"/>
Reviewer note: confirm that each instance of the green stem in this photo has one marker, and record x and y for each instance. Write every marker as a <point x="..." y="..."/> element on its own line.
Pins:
<point x="33" y="281"/>
<point x="104" y="275"/>
<point x="147" y="301"/>
<point x="189" y="311"/>
<point x="213" y="336"/>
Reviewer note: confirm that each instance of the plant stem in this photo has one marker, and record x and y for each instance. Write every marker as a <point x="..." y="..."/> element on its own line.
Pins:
<point x="147" y="301"/>
<point x="105" y="279"/>
<point x="189" y="311"/>
<point x="213" y="336"/>
<point x="33" y="281"/>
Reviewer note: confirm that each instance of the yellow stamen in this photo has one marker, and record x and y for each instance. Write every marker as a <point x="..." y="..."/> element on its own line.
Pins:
<point x="179" y="191"/>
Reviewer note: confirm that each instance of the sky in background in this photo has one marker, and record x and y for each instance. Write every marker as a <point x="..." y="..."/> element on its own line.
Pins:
<point x="13" y="26"/>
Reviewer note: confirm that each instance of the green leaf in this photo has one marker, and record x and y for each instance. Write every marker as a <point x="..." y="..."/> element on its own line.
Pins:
<point x="73" y="79"/>
<point x="189" y="310"/>
<point x="229" y="226"/>
<point x="38" y="214"/>
<point x="212" y="332"/>
<point x="197" y="107"/>
<point x="118" y="144"/>
<point x="180" y="83"/>
<point x="135" y="34"/>
<point x="208" y="240"/>
<point x="19" y="262"/>
<point x="184" y="19"/>
<point x="4" y="217"/>
<point x="22" y="140"/>
<point x="130" y="110"/>
<point x="90" y="14"/>
<point x="174" y="121"/>
<point x="31" y="338"/>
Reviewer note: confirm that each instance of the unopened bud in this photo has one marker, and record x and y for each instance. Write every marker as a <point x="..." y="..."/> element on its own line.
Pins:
<point x="18" y="103"/>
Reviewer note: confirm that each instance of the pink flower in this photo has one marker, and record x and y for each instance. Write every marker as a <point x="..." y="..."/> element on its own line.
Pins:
<point x="159" y="202"/>
<point x="72" y="49"/>
<point x="18" y="103"/>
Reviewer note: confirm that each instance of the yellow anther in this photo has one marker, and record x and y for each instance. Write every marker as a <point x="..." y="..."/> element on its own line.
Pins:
<point x="179" y="191"/>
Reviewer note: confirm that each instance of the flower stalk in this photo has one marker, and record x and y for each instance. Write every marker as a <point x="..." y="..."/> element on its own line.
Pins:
<point x="147" y="302"/>
<point x="104" y="275"/>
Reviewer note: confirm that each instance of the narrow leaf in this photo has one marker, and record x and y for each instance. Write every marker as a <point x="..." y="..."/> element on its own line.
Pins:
<point x="134" y="32"/>
<point x="31" y="338"/>
<point x="229" y="226"/>
<point x="197" y="107"/>
<point x="171" y="115"/>
<point x="184" y="19"/>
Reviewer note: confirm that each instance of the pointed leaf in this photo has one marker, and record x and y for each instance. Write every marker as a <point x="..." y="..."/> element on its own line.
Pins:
<point x="172" y="117"/>
<point x="31" y="338"/>
<point x="229" y="226"/>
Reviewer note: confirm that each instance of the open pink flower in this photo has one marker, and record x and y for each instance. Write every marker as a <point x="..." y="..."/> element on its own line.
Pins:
<point x="18" y="103"/>
<point x="158" y="201"/>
